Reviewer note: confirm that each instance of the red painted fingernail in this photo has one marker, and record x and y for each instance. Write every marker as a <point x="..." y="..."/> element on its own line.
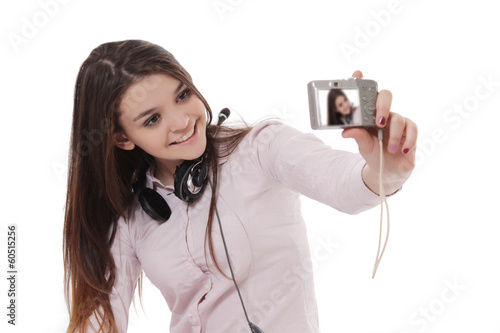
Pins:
<point x="406" y="150"/>
<point x="381" y="121"/>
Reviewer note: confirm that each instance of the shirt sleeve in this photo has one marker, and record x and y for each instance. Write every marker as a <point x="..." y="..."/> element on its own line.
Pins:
<point x="128" y="269"/>
<point x="307" y="165"/>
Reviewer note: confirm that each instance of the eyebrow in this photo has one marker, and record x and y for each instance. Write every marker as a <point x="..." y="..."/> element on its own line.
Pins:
<point x="147" y="112"/>
<point x="181" y="84"/>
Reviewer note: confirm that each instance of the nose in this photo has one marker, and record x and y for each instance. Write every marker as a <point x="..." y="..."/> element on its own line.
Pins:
<point x="177" y="120"/>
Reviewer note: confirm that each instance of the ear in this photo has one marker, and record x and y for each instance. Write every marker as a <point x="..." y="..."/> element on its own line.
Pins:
<point x="122" y="141"/>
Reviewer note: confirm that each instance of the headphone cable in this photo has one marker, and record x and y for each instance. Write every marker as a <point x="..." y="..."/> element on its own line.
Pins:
<point x="253" y="327"/>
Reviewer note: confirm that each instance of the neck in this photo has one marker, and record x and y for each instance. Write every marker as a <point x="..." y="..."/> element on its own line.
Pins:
<point x="164" y="171"/>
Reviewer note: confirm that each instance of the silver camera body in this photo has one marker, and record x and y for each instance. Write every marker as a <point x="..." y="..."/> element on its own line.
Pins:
<point x="342" y="103"/>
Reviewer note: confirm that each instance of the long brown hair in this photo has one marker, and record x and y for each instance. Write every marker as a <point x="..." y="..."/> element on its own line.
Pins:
<point x="100" y="175"/>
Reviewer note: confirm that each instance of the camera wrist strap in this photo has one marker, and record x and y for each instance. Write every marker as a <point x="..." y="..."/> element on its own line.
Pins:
<point x="383" y="201"/>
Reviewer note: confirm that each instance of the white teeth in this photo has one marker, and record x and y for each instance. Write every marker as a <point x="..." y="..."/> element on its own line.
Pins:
<point x="185" y="137"/>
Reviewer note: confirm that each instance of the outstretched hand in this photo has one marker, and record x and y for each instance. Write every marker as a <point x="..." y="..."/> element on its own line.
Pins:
<point x="400" y="139"/>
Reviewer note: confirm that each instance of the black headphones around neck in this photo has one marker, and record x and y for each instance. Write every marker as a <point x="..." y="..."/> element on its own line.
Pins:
<point x="190" y="179"/>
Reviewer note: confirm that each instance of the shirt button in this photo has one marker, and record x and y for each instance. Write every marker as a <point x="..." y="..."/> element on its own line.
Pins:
<point x="193" y="320"/>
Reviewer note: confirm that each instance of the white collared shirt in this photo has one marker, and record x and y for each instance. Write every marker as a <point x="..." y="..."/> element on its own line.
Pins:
<point x="259" y="206"/>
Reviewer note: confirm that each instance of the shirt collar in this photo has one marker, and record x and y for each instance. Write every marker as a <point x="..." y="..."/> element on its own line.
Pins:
<point x="153" y="182"/>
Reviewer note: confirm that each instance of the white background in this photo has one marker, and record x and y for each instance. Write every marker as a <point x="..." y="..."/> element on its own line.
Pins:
<point x="257" y="57"/>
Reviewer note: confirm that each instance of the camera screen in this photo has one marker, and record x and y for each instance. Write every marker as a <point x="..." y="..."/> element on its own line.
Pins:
<point x="339" y="107"/>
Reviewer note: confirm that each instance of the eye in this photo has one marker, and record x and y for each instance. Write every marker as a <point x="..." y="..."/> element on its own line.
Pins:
<point x="152" y="121"/>
<point x="184" y="95"/>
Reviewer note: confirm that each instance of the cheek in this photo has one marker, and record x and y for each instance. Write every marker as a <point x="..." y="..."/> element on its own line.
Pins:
<point x="203" y="114"/>
<point x="198" y="107"/>
<point x="152" y="141"/>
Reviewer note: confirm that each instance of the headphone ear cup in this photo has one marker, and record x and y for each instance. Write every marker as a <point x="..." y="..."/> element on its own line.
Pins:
<point x="180" y="180"/>
<point x="199" y="174"/>
<point x="152" y="202"/>
<point x="154" y="205"/>
<point x="190" y="179"/>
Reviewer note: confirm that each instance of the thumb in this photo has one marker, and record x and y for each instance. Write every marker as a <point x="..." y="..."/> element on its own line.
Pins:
<point x="362" y="137"/>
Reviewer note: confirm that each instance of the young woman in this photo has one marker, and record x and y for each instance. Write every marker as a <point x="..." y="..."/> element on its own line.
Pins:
<point x="139" y="127"/>
<point x="340" y="109"/>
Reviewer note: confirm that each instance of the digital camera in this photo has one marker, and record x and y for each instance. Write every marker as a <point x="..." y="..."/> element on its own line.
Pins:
<point x="342" y="103"/>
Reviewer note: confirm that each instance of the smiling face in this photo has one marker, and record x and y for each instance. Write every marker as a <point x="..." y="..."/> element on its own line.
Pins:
<point x="163" y="117"/>
<point x="343" y="105"/>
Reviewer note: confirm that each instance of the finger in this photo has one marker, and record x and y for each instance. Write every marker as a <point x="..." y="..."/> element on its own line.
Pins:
<point x="397" y="125"/>
<point x="357" y="74"/>
<point x="411" y="134"/>
<point x="383" y="106"/>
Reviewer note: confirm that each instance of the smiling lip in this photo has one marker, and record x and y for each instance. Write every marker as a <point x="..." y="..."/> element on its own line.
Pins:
<point x="186" y="137"/>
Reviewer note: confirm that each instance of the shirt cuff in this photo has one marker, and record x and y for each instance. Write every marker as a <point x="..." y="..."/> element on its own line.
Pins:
<point x="364" y="195"/>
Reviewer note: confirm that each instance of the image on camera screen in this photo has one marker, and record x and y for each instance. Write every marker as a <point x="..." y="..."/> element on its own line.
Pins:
<point x="340" y="107"/>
